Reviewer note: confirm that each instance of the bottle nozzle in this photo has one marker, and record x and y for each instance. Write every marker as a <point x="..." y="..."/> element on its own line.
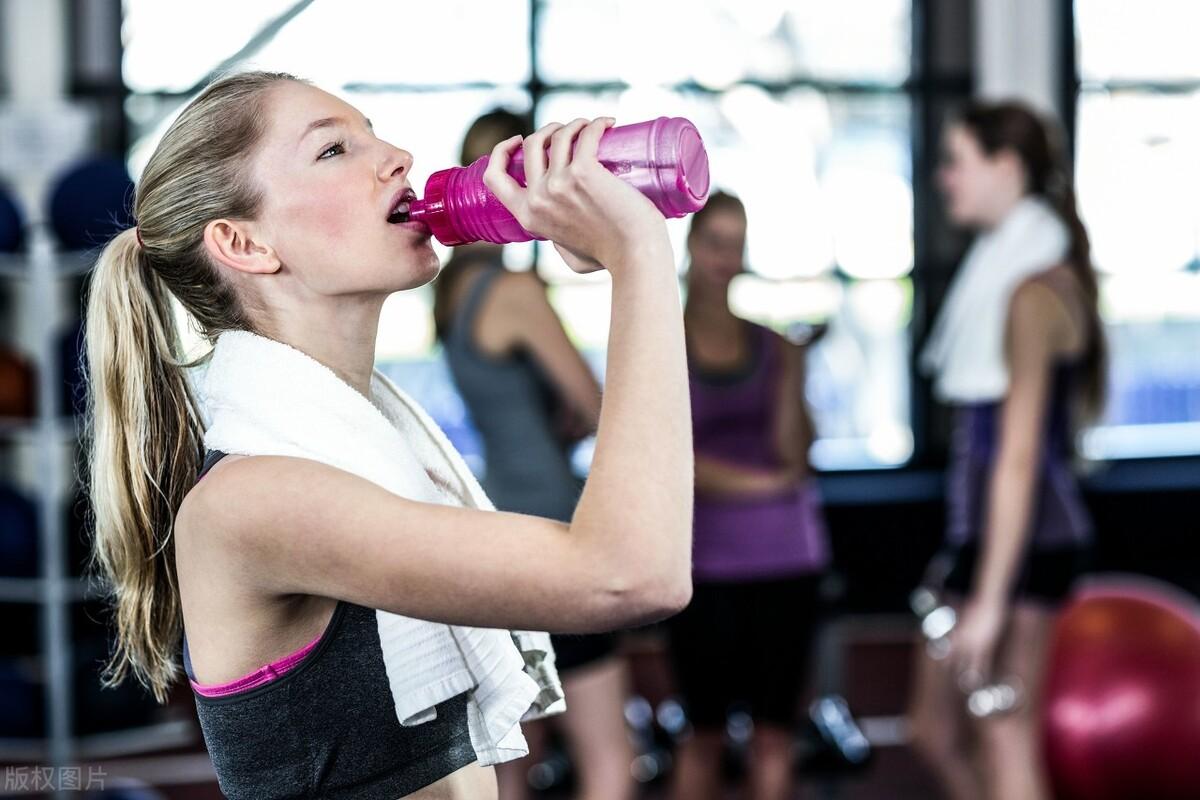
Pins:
<point x="418" y="210"/>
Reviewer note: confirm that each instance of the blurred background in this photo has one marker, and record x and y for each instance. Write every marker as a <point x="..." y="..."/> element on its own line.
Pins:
<point x="824" y="116"/>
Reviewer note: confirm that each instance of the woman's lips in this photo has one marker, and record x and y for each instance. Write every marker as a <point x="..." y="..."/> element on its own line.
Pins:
<point x="419" y="228"/>
<point x="401" y="204"/>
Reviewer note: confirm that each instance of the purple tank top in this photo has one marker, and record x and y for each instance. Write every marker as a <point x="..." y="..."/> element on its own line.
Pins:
<point x="733" y="416"/>
<point x="1059" y="517"/>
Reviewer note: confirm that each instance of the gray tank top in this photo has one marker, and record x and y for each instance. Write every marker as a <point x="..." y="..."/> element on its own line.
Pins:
<point x="512" y="404"/>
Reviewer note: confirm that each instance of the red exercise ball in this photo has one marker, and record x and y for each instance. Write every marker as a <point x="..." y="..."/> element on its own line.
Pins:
<point x="1122" y="696"/>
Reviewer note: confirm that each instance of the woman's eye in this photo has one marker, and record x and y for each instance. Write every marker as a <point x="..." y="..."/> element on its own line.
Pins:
<point x="335" y="149"/>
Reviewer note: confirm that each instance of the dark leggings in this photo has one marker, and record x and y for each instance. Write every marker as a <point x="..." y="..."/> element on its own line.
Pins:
<point x="744" y="645"/>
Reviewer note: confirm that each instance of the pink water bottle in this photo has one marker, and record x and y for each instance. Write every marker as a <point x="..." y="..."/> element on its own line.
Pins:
<point x="662" y="158"/>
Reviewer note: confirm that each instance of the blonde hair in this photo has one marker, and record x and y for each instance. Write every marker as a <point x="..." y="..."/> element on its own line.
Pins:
<point x="143" y="431"/>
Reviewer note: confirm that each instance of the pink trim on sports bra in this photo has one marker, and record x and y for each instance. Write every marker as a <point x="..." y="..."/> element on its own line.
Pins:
<point x="260" y="676"/>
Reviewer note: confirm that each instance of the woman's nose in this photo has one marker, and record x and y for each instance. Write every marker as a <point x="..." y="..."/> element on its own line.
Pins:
<point x="397" y="162"/>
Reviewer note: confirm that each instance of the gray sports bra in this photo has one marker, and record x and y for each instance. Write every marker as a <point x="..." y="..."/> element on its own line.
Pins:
<point x="322" y="721"/>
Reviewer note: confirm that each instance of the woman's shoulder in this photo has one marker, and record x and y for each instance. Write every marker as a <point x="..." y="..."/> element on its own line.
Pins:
<point x="1050" y="304"/>
<point x="499" y="289"/>
<point x="466" y="274"/>
<point x="519" y="299"/>
<point x="520" y="286"/>
<point x="207" y="492"/>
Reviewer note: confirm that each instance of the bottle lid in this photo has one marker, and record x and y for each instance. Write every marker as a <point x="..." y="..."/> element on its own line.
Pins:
<point x="693" y="178"/>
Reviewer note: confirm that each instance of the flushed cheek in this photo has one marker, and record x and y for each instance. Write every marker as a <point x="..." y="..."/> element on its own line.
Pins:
<point x="319" y="215"/>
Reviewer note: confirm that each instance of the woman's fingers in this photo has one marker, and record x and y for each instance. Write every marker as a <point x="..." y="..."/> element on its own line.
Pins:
<point x="561" y="143"/>
<point x="588" y="143"/>
<point x="496" y="177"/>
<point x="535" y="152"/>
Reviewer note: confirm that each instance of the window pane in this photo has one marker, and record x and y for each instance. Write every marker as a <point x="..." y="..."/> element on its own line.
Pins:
<point x="1153" y="40"/>
<point x="1137" y="171"/>
<point x="1138" y="166"/>
<point x="447" y="42"/>
<point x="172" y="46"/>
<point x="717" y="42"/>
<point x="1153" y="327"/>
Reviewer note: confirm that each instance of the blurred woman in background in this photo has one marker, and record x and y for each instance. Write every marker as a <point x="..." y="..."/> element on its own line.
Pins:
<point x="532" y="397"/>
<point x="1018" y="350"/>
<point x="759" y="541"/>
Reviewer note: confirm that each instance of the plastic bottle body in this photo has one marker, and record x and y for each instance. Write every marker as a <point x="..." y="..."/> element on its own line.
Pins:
<point x="663" y="158"/>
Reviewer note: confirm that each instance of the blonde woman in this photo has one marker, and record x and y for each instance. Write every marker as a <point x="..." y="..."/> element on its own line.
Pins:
<point x="273" y="213"/>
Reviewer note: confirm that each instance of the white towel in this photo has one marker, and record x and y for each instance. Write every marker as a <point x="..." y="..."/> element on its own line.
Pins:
<point x="262" y="397"/>
<point x="965" y="351"/>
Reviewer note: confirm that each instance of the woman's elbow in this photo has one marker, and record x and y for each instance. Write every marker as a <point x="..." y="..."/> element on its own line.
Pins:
<point x="643" y="600"/>
<point x="665" y="596"/>
<point x="678" y="595"/>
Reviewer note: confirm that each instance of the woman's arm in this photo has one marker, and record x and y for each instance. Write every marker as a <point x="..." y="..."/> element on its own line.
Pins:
<point x="794" y="431"/>
<point x="529" y="321"/>
<point x="1030" y="345"/>
<point x="790" y="434"/>
<point x="291" y="525"/>
<point x="280" y="525"/>
<point x="722" y="478"/>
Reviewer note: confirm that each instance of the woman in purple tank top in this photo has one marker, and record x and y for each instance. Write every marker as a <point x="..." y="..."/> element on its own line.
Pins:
<point x="1018" y="353"/>
<point x="759" y="542"/>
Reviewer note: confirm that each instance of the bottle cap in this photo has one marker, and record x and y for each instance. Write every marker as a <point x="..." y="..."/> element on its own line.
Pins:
<point x="692" y="177"/>
<point x="431" y="210"/>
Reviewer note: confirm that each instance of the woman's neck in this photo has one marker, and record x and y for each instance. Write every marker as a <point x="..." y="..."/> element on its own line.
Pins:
<point x="1003" y="209"/>
<point x="707" y="305"/>
<point x="338" y="332"/>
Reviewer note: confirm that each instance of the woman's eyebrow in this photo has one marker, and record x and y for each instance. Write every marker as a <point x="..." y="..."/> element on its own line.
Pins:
<point x="329" y="122"/>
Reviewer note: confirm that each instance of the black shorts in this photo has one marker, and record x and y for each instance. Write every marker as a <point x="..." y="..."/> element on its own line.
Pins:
<point x="574" y="650"/>
<point x="744" y="645"/>
<point x="1045" y="575"/>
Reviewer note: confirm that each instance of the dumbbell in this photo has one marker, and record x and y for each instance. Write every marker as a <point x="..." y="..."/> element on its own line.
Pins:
<point x="835" y="742"/>
<point x="938" y="619"/>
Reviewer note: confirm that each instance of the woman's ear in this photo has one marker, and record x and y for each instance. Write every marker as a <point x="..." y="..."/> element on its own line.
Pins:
<point x="233" y="243"/>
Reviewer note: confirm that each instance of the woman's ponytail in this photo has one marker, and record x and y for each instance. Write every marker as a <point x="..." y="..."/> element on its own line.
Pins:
<point x="144" y="439"/>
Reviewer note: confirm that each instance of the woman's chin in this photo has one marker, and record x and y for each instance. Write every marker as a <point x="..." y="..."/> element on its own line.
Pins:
<point x="424" y="268"/>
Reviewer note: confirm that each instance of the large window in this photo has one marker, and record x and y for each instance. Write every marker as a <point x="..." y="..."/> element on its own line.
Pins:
<point x="806" y="108"/>
<point x="1138" y="169"/>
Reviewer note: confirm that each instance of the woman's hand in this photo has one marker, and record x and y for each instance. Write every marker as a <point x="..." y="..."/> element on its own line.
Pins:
<point x="595" y="219"/>
<point x="719" y="478"/>
<point x="973" y="642"/>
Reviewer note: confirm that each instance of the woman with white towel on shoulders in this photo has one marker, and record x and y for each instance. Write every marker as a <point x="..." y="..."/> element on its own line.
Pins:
<point x="360" y="621"/>
<point x="1018" y="351"/>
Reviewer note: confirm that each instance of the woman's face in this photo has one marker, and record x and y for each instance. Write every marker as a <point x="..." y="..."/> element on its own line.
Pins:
<point x="328" y="187"/>
<point x="978" y="188"/>
<point x="716" y="249"/>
